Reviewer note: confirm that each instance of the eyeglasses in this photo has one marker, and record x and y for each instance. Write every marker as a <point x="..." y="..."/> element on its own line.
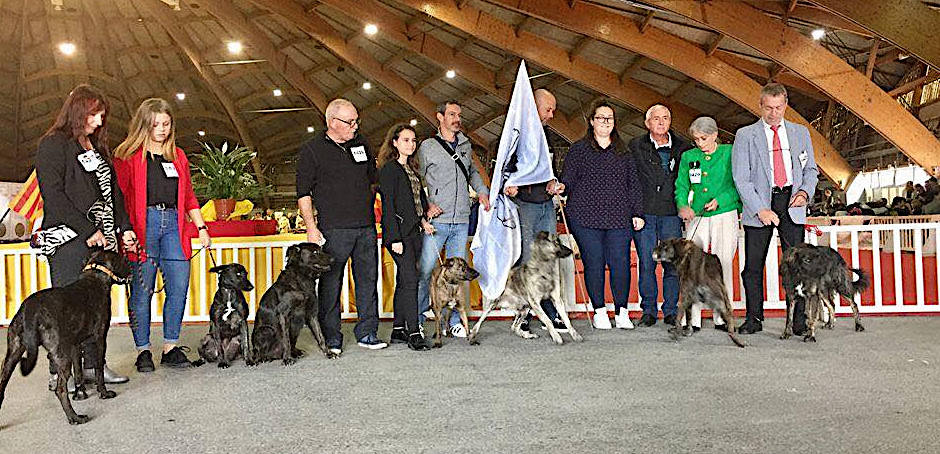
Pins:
<point x="350" y="123"/>
<point x="604" y="119"/>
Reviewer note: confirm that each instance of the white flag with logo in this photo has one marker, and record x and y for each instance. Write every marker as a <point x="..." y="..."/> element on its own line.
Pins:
<point x="497" y="243"/>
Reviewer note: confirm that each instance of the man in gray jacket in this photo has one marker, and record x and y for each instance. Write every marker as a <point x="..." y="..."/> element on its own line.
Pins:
<point x="448" y="171"/>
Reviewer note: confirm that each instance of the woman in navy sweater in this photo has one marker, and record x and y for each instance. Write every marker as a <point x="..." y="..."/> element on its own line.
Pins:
<point x="605" y="208"/>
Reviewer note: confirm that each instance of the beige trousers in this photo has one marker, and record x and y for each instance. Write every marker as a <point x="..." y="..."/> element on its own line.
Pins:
<point x="719" y="235"/>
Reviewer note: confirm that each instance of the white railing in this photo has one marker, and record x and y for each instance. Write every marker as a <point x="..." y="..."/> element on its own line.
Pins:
<point x="896" y="270"/>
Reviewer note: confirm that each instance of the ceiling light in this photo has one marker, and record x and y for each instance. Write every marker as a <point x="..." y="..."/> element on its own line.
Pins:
<point x="234" y="47"/>
<point x="67" y="48"/>
<point x="277" y="92"/>
<point x="181" y="96"/>
<point x="413" y="122"/>
<point x="366" y="86"/>
<point x="818" y="34"/>
<point x="371" y="29"/>
<point x="201" y="133"/>
<point x="451" y="74"/>
<point x="310" y="129"/>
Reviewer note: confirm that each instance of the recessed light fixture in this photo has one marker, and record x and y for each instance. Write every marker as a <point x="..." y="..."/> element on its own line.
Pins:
<point x="277" y="92"/>
<point x="366" y="86"/>
<point x="451" y="74"/>
<point x="234" y="47"/>
<point x="310" y="129"/>
<point x="181" y="96"/>
<point x="67" y="48"/>
<point x="818" y="34"/>
<point x="371" y="29"/>
<point x="201" y="133"/>
<point x="413" y="122"/>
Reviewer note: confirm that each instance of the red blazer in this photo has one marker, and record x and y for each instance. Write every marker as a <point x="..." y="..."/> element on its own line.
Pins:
<point x="132" y="178"/>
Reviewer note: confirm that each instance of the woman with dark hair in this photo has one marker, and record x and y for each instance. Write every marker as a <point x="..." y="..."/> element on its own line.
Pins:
<point x="605" y="208"/>
<point x="404" y="219"/>
<point x="82" y="203"/>
<point x="154" y="175"/>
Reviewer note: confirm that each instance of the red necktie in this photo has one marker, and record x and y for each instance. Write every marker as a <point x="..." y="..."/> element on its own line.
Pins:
<point x="780" y="173"/>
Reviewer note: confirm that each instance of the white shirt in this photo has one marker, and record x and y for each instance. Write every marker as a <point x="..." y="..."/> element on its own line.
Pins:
<point x="784" y="145"/>
<point x="667" y="144"/>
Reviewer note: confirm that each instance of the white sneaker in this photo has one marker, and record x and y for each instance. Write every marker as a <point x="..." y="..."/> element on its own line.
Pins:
<point x="601" y="321"/>
<point x="428" y="314"/>
<point x="458" y="331"/>
<point x="623" y="319"/>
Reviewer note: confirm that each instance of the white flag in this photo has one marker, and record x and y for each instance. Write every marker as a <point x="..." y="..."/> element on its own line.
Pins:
<point x="497" y="243"/>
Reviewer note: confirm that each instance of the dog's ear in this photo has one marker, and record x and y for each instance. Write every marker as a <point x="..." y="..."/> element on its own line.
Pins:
<point x="293" y="253"/>
<point x="218" y="269"/>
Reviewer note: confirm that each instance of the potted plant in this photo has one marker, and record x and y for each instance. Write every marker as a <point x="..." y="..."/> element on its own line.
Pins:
<point x="222" y="174"/>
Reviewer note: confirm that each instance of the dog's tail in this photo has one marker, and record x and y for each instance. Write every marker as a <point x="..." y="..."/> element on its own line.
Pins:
<point x="858" y="286"/>
<point x="30" y="338"/>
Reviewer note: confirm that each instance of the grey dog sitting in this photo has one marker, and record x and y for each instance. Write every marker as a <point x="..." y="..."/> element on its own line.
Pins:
<point x="528" y="285"/>
<point x="228" y="314"/>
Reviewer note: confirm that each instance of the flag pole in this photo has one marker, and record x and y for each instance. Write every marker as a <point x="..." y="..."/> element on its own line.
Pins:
<point x="576" y="252"/>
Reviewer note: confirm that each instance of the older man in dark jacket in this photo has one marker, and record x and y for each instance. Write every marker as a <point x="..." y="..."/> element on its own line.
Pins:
<point x="657" y="157"/>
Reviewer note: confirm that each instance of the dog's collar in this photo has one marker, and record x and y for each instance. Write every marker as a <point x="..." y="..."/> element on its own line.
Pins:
<point x="103" y="269"/>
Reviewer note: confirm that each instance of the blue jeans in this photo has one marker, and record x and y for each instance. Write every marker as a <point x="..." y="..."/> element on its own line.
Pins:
<point x="535" y="218"/>
<point x="600" y="247"/>
<point x="451" y="237"/>
<point x="164" y="251"/>
<point x="657" y="228"/>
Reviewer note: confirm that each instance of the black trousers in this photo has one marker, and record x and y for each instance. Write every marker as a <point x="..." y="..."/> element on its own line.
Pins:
<point x="756" y="244"/>
<point x="360" y="245"/>
<point x="406" y="282"/>
<point x="64" y="268"/>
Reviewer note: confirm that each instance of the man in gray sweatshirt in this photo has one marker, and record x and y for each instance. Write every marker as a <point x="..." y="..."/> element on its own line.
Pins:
<point x="448" y="171"/>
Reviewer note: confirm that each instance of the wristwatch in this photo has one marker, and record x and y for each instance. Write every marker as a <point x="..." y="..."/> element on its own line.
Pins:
<point x="202" y="227"/>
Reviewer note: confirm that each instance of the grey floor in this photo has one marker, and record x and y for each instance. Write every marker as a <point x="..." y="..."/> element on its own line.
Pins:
<point x="618" y="391"/>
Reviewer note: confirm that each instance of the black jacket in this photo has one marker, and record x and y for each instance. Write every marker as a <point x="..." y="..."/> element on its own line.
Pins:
<point x="68" y="191"/>
<point x="659" y="186"/>
<point x="399" y="214"/>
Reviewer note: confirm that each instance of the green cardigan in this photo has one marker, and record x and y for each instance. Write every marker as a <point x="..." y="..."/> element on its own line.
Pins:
<point x="716" y="182"/>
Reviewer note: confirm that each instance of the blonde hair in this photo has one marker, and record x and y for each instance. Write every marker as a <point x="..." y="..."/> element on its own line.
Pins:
<point x="138" y="132"/>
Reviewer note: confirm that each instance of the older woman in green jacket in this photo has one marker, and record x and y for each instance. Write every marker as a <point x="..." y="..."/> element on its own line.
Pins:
<point x="709" y="203"/>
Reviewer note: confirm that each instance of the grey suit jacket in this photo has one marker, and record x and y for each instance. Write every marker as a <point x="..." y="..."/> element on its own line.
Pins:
<point x="750" y="167"/>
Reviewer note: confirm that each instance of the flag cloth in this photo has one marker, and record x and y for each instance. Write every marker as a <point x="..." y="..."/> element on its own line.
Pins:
<point x="497" y="243"/>
<point x="28" y="202"/>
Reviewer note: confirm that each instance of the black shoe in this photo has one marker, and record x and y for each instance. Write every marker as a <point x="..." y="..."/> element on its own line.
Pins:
<point x="722" y="327"/>
<point x="417" y="342"/>
<point x="399" y="336"/>
<point x="750" y="327"/>
<point x="559" y="326"/>
<point x="670" y="319"/>
<point x="696" y="329"/>
<point x="144" y="361"/>
<point x="647" y="320"/>
<point x="176" y="358"/>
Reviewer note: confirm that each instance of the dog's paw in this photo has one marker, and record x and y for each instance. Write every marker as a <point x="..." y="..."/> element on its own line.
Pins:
<point x="438" y="343"/>
<point x="809" y="338"/>
<point x="859" y="327"/>
<point x="107" y="394"/>
<point x="289" y="361"/>
<point x="576" y="337"/>
<point x="224" y="365"/>
<point x="784" y="336"/>
<point x="79" y="419"/>
<point x="331" y="355"/>
<point x="79" y="394"/>
<point x="472" y="340"/>
<point x="250" y="363"/>
<point x="674" y="333"/>
<point x="296" y="353"/>
<point x="198" y="362"/>
<point x="829" y="325"/>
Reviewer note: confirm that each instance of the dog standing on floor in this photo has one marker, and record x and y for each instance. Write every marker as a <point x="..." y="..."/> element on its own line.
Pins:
<point x="60" y="319"/>
<point x="817" y="274"/>
<point x="228" y="315"/>
<point x="289" y="304"/>
<point x="700" y="281"/>
<point x="528" y="285"/>
<point x="447" y="290"/>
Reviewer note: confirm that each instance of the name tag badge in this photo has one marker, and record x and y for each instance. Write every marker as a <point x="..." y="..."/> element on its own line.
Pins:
<point x="89" y="160"/>
<point x="695" y="176"/>
<point x="672" y="164"/>
<point x="804" y="157"/>
<point x="359" y="153"/>
<point x="170" y="170"/>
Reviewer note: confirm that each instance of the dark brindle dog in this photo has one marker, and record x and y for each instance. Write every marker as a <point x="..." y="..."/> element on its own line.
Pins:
<point x="60" y="319"/>
<point x="447" y="290"/>
<point x="528" y="285"/>
<point x="289" y="304"/>
<point x="817" y="275"/>
<point x="228" y="315"/>
<point x="700" y="281"/>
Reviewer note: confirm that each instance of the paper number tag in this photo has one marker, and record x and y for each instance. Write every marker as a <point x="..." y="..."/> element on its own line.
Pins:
<point x="89" y="160"/>
<point x="804" y="157"/>
<point x="359" y="153"/>
<point x="695" y="176"/>
<point x="170" y="170"/>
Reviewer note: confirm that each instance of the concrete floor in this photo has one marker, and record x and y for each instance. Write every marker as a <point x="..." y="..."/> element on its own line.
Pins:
<point x="618" y="391"/>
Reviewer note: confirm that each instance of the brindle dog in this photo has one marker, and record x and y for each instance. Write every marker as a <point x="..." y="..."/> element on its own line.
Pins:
<point x="700" y="281"/>
<point x="817" y="274"/>
<point x="60" y="319"/>
<point x="447" y="290"/>
<point x="528" y="285"/>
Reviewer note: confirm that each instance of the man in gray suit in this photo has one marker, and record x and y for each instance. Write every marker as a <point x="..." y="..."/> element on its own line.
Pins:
<point x="775" y="172"/>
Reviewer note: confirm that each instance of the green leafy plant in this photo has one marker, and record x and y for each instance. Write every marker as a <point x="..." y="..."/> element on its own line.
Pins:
<point x="224" y="173"/>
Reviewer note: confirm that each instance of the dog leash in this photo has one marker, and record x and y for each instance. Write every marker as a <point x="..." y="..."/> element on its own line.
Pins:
<point x="577" y="250"/>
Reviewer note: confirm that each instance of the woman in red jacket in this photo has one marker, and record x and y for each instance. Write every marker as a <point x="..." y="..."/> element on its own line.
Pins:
<point x="154" y="176"/>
